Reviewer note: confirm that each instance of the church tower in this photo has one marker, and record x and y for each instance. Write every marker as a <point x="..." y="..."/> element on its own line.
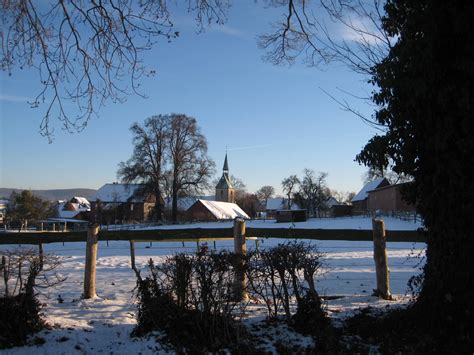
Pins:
<point x="225" y="191"/>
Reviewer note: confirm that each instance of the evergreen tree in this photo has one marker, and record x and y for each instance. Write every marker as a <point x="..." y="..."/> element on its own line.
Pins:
<point x="426" y="101"/>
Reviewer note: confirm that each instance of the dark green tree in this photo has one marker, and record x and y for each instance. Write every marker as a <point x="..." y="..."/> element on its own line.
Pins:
<point x="24" y="207"/>
<point x="425" y="94"/>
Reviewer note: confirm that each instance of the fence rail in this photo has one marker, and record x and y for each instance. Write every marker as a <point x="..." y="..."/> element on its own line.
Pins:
<point x="193" y="234"/>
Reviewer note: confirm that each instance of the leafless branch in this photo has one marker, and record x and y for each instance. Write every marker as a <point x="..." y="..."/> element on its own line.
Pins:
<point x="88" y="52"/>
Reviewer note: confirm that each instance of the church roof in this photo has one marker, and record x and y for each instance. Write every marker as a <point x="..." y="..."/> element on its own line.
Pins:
<point x="224" y="182"/>
<point x="226" y="165"/>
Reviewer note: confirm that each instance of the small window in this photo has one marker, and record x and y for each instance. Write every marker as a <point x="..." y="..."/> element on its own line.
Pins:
<point x="222" y="193"/>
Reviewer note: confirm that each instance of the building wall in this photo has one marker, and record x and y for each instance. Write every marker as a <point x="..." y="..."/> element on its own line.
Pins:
<point x="387" y="200"/>
<point x="198" y="212"/>
<point x="359" y="207"/>
<point x="225" y="195"/>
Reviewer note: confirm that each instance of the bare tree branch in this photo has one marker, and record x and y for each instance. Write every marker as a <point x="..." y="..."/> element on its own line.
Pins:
<point x="88" y="52"/>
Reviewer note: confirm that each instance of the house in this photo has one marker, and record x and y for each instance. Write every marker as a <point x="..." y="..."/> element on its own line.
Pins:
<point x="203" y="210"/>
<point x="276" y="204"/>
<point x="3" y="210"/>
<point x="293" y="215"/>
<point x="359" y="201"/>
<point x="388" y="199"/>
<point x="117" y="202"/>
<point x="224" y="206"/>
<point x="75" y="208"/>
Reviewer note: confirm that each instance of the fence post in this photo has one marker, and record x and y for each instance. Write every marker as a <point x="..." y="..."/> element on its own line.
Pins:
<point x="240" y="249"/>
<point x="41" y="255"/>
<point x="132" y="255"/>
<point x="380" y="257"/>
<point x="91" y="257"/>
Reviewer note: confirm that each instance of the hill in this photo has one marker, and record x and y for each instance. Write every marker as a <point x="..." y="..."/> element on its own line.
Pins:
<point x="53" y="195"/>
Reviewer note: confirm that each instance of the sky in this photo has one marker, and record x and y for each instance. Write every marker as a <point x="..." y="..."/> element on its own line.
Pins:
<point x="273" y="121"/>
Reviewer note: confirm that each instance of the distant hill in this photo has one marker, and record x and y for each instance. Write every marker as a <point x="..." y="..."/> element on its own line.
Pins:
<point x="53" y="195"/>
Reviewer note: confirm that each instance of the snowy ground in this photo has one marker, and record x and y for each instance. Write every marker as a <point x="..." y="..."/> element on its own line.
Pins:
<point x="103" y="324"/>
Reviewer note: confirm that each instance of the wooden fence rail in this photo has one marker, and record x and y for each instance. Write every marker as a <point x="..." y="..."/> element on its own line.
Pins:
<point x="184" y="234"/>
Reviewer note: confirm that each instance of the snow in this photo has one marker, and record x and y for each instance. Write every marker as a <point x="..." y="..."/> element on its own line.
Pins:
<point x="117" y="193"/>
<point x="278" y="203"/>
<point x="103" y="324"/>
<point x="363" y="194"/>
<point x="224" y="210"/>
<point x="358" y="222"/>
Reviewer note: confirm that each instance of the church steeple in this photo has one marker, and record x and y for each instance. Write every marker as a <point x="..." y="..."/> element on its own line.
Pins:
<point x="224" y="188"/>
<point x="225" y="169"/>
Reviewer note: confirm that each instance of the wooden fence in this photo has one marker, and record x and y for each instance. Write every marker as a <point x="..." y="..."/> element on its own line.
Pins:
<point x="190" y="234"/>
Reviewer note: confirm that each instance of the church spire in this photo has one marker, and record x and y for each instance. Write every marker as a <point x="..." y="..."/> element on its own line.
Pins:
<point x="225" y="169"/>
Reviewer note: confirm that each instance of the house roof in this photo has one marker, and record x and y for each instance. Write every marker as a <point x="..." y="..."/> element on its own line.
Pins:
<point x="118" y="193"/>
<point x="80" y="204"/>
<point x="223" y="210"/>
<point x="363" y="193"/>
<point x="279" y="203"/>
<point x="183" y="202"/>
<point x="331" y="201"/>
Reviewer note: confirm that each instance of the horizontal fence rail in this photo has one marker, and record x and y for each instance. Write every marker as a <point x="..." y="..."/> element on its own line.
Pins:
<point x="194" y="234"/>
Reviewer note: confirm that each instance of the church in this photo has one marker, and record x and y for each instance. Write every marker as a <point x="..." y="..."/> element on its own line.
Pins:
<point x="223" y="207"/>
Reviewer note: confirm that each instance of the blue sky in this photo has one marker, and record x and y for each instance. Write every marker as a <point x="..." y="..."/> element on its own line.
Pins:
<point x="279" y="115"/>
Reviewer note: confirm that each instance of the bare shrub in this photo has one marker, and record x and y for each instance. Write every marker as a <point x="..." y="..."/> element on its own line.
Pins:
<point x="190" y="297"/>
<point x="284" y="274"/>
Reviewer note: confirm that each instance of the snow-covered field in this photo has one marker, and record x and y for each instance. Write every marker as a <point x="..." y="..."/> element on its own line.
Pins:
<point x="103" y="324"/>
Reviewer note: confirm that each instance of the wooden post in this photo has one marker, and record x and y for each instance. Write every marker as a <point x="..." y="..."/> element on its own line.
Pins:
<point x="132" y="255"/>
<point x="41" y="255"/>
<point x="240" y="249"/>
<point x="91" y="256"/>
<point x="380" y="257"/>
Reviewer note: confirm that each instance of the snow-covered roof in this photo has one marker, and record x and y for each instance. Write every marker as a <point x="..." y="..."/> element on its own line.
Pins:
<point x="224" y="210"/>
<point x="80" y="200"/>
<point x="279" y="203"/>
<point x="118" y="193"/>
<point x="70" y="209"/>
<point x="183" y="202"/>
<point x="331" y="201"/>
<point x="363" y="194"/>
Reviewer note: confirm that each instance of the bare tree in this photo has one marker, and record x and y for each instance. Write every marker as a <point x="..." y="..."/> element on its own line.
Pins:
<point x="148" y="162"/>
<point x="264" y="193"/>
<point x="190" y="166"/>
<point x="314" y="191"/>
<point x="88" y="52"/>
<point x="349" y="32"/>
<point x="289" y="185"/>
<point x="170" y="156"/>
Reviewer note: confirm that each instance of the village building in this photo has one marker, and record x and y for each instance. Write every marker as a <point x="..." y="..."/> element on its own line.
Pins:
<point x="122" y="202"/>
<point x="388" y="199"/>
<point x="3" y="210"/>
<point x="225" y="191"/>
<point x="278" y="204"/>
<point x="359" y="201"/>
<point x="203" y="210"/>
<point x="224" y="206"/>
<point x="75" y="208"/>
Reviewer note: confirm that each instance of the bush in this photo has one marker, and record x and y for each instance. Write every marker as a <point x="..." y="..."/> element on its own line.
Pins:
<point x="20" y="310"/>
<point x="20" y="316"/>
<point x="284" y="274"/>
<point x="190" y="297"/>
